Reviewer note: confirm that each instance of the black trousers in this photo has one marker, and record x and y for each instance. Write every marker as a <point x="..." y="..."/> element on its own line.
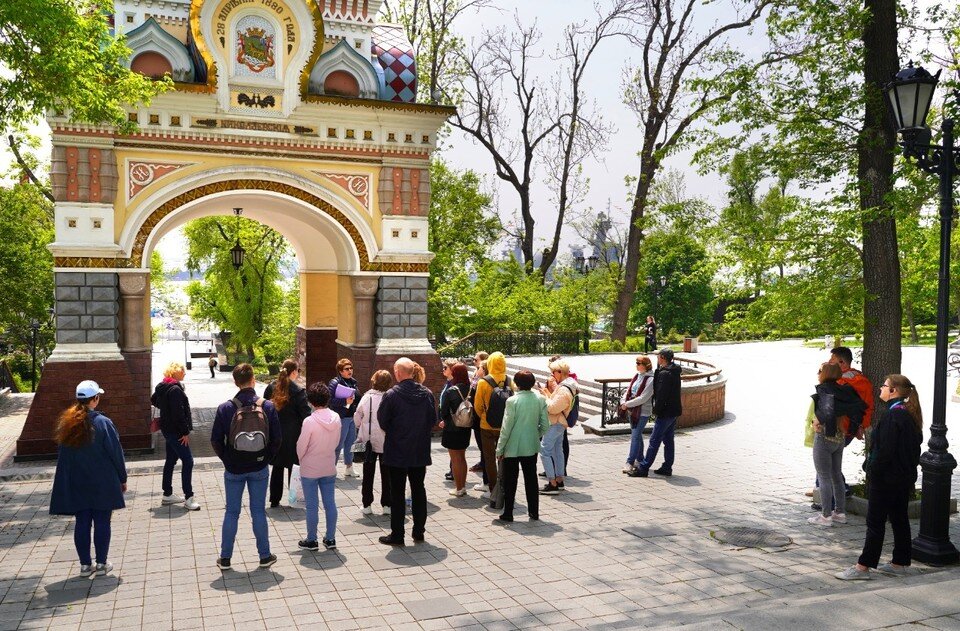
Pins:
<point x="649" y="344"/>
<point x="566" y="451"/>
<point x="886" y="502"/>
<point x="511" y="473"/>
<point x="366" y="485"/>
<point x="418" y="494"/>
<point x="276" y="482"/>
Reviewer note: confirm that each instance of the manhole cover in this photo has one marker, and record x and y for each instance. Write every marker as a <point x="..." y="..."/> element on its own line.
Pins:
<point x="751" y="537"/>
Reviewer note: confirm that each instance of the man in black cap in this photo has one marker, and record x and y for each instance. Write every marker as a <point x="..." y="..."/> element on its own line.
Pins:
<point x="666" y="407"/>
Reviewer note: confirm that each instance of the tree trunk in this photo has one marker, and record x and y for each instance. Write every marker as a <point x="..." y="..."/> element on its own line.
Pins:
<point x="911" y="322"/>
<point x="621" y="312"/>
<point x="882" y="311"/>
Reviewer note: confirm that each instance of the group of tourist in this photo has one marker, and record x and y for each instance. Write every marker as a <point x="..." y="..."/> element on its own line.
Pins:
<point x="513" y="420"/>
<point x="842" y="410"/>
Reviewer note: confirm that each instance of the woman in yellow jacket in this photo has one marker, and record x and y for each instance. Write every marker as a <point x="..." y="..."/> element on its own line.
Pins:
<point x="489" y="435"/>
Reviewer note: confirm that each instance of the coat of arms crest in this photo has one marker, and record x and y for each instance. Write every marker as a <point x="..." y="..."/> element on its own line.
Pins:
<point x="255" y="49"/>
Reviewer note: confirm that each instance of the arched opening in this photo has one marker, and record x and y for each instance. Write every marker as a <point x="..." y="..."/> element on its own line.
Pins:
<point x="151" y="64"/>
<point x="341" y="83"/>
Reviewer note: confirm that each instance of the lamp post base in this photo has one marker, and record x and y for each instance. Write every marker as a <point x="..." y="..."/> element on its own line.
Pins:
<point x="934" y="552"/>
<point x="933" y="545"/>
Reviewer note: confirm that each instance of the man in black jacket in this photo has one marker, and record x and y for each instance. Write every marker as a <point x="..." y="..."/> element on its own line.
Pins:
<point x="407" y="414"/>
<point x="666" y="406"/>
<point x="245" y="472"/>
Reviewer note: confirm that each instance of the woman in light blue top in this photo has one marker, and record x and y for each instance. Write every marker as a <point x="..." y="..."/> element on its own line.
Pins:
<point x="637" y="402"/>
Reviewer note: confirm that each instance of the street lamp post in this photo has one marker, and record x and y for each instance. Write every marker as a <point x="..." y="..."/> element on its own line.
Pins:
<point x="186" y="358"/>
<point x="910" y="94"/>
<point x="584" y="266"/>
<point x="657" y="289"/>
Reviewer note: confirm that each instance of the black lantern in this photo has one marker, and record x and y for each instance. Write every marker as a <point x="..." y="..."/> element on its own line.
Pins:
<point x="910" y="93"/>
<point x="237" y="253"/>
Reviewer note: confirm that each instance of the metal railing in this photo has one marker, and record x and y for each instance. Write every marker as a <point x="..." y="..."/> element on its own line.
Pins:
<point x="614" y="388"/>
<point x="516" y="343"/>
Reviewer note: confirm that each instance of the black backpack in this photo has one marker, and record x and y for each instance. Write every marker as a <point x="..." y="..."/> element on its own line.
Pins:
<point x="574" y="415"/>
<point x="498" y="401"/>
<point x="249" y="433"/>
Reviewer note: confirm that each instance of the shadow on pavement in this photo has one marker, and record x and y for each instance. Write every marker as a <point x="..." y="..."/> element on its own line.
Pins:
<point x="682" y="480"/>
<point x="322" y="560"/>
<point x="258" y="580"/>
<point x="418" y="555"/>
<point x="168" y="512"/>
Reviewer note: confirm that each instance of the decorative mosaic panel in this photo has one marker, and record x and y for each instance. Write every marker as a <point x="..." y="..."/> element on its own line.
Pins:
<point x="396" y="57"/>
<point x="255" y="48"/>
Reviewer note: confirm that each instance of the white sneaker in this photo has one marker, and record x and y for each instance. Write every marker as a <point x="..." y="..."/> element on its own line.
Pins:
<point x="480" y="487"/>
<point x="386" y="510"/>
<point x="838" y="518"/>
<point x="485" y="495"/>
<point x="458" y="492"/>
<point x="820" y="520"/>
<point x="350" y="473"/>
<point x="191" y="504"/>
<point x="86" y="570"/>
<point x="367" y="510"/>
<point x="888" y="568"/>
<point x="171" y="499"/>
<point x="628" y="468"/>
<point x="853" y="574"/>
<point x="104" y="568"/>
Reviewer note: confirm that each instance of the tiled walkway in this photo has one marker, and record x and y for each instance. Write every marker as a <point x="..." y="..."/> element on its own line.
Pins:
<point x="609" y="552"/>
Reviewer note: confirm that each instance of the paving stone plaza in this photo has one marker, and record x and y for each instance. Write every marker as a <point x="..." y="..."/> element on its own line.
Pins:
<point x="610" y="552"/>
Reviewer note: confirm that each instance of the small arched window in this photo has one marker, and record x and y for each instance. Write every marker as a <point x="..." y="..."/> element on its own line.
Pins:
<point x="341" y="83"/>
<point x="151" y="64"/>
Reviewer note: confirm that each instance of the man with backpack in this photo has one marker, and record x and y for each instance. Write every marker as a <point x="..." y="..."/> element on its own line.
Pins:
<point x="490" y="403"/>
<point x="563" y="411"/>
<point x="246" y="436"/>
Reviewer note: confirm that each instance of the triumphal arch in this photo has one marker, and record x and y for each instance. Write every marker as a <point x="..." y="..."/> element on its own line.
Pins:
<point x="301" y="112"/>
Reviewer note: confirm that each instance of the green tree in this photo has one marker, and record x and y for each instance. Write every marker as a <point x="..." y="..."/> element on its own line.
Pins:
<point x="685" y="303"/>
<point x="462" y="231"/>
<point x="26" y="274"/>
<point x="279" y="338"/>
<point x="236" y="300"/>
<point x="60" y="55"/>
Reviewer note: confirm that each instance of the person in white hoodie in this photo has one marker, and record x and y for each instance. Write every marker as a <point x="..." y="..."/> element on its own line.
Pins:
<point x="316" y="450"/>
<point x="637" y="402"/>
<point x="370" y="433"/>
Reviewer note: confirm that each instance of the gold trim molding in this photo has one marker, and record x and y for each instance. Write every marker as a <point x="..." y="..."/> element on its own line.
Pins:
<point x="227" y="186"/>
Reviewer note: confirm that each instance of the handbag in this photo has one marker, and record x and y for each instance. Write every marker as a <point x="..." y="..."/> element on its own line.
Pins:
<point x="361" y="449"/>
<point x="296" y="487"/>
<point x="463" y="416"/>
<point x="155" y="422"/>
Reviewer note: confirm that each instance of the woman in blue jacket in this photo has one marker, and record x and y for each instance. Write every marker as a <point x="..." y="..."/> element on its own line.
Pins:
<point x="91" y="475"/>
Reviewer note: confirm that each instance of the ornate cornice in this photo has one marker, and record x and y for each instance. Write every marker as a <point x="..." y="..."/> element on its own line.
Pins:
<point x="147" y="227"/>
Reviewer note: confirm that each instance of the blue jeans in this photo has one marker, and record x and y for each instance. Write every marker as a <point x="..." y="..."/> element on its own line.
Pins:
<point x="663" y="429"/>
<point x="348" y="436"/>
<point x="100" y="521"/>
<point x="177" y="451"/>
<point x="326" y="487"/>
<point x="636" y="441"/>
<point x="551" y="451"/>
<point x="256" y="483"/>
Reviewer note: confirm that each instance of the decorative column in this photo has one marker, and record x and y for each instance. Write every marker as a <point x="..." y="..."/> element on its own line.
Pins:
<point x="133" y="287"/>
<point x="364" y="292"/>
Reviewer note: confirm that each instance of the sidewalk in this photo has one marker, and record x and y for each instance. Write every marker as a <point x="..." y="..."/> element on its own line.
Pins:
<point x="610" y="552"/>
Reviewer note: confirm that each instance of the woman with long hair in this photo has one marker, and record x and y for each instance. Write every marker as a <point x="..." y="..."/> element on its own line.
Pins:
<point x="292" y="407"/>
<point x="831" y="402"/>
<point x="176" y="423"/>
<point x="371" y="434"/>
<point x="891" y="468"/>
<point x="650" y="335"/>
<point x="91" y="476"/>
<point x="455" y="439"/>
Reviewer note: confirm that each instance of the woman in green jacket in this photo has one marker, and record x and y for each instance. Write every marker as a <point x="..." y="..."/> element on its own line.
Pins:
<point x="524" y="424"/>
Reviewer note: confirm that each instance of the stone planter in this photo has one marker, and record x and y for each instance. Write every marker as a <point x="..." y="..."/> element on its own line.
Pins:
<point x="858" y="505"/>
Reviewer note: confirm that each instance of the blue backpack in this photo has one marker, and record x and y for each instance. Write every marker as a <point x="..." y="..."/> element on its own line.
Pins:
<point x="574" y="414"/>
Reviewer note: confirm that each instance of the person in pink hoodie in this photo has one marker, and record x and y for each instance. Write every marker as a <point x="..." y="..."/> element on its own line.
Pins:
<point x="316" y="449"/>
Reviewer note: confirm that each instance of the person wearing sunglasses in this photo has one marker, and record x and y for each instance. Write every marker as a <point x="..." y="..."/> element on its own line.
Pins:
<point x="637" y="402"/>
<point x="345" y="408"/>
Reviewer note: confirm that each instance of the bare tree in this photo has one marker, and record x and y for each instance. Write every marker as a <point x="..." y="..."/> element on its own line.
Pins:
<point x="525" y="123"/>
<point x="669" y="93"/>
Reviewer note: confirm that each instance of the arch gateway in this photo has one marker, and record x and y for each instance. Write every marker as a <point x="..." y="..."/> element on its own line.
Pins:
<point x="303" y="113"/>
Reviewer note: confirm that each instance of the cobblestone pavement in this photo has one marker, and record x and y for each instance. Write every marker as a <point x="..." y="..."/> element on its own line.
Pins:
<point x="610" y="552"/>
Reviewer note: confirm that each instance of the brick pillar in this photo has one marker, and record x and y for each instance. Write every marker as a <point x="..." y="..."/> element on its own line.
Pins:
<point x="317" y="353"/>
<point x="87" y="308"/>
